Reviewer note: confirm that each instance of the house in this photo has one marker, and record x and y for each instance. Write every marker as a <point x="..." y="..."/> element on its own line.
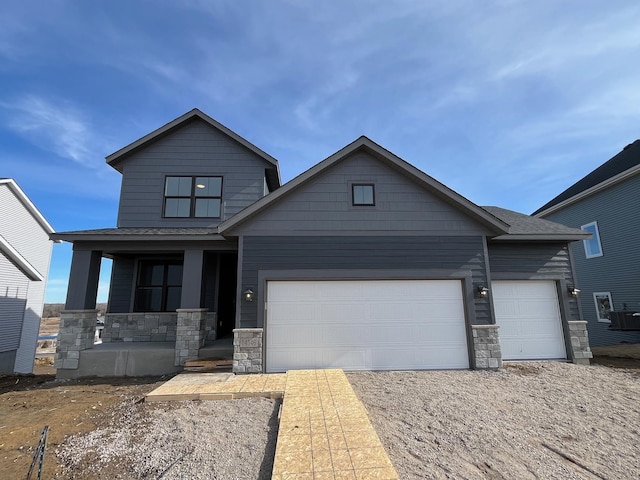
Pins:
<point x="25" y="253"/>
<point x="606" y="203"/>
<point x="361" y="262"/>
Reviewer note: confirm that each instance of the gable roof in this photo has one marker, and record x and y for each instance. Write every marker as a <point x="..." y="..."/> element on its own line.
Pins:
<point x="621" y="166"/>
<point x="363" y="143"/>
<point x="28" y="204"/>
<point x="526" y="227"/>
<point x="117" y="157"/>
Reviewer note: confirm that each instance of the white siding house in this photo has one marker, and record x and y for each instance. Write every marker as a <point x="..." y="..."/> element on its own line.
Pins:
<point x="25" y="253"/>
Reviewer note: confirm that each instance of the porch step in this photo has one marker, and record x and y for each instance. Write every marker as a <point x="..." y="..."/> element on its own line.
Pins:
<point x="208" y="365"/>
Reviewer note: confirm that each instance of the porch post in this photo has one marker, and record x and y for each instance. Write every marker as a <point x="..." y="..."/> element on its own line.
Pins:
<point x="83" y="280"/>
<point x="192" y="279"/>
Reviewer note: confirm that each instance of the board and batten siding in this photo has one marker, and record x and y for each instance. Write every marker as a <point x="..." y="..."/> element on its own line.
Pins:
<point x="195" y="149"/>
<point x="324" y="205"/>
<point x="618" y="270"/>
<point x="361" y="253"/>
<point x="517" y="261"/>
<point x="23" y="232"/>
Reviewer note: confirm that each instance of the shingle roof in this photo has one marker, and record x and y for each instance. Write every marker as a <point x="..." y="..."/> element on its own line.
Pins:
<point x="140" y="234"/>
<point x="628" y="158"/>
<point x="523" y="226"/>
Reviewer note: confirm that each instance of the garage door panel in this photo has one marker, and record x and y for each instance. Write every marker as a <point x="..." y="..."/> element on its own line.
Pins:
<point x="528" y="314"/>
<point x="372" y="324"/>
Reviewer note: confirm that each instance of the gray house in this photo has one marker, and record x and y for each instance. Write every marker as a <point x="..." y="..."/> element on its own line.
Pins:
<point x="361" y="262"/>
<point x="25" y="253"/>
<point x="606" y="203"/>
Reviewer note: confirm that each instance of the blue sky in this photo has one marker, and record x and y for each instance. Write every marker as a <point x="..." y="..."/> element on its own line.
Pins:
<point x="507" y="102"/>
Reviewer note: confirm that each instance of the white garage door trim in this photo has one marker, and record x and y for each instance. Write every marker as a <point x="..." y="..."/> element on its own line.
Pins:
<point x="528" y="313"/>
<point x="365" y="325"/>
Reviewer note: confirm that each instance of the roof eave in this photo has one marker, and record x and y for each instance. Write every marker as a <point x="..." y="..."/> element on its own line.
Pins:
<point x="570" y="237"/>
<point x="79" y="237"/>
<point x="590" y="191"/>
<point x="22" y="263"/>
<point x="29" y="205"/>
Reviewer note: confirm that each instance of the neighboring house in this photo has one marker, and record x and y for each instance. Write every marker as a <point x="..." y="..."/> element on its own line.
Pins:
<point x="606" y="203"/>
<point x="25" y="253"/>
<point x="361" y="262"/>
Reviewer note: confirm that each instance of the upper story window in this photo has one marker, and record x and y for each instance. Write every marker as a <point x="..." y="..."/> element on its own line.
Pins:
<point x="592" y="247"/>
<point x="199" y="197"/>
<point x="363" y="194"/>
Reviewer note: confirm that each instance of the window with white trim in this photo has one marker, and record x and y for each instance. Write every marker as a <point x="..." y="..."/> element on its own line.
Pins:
<point x="592" y="247"/>
<point x="604" y="305"/>
<point x="199" y="197"/>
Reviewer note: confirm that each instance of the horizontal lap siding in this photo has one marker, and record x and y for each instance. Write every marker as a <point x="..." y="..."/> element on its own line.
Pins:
<point x="360" y="253"/>
<point x="194" y="149"/>
<point x="618" y="270"/>
<point x="13" y="298"/>
<point x="324" y="205"/>
<point x="535" y="260"/>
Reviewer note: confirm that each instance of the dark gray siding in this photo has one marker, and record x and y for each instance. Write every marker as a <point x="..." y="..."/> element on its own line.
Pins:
<point x="617" y="211"/>
<point x="7" y="361"/>
<point x="324" y="206"/>
<point x="120" y="291"/>
<point x="361" y="253"/>
<point x="195" y="149"/>
<point x="516" y="261"/>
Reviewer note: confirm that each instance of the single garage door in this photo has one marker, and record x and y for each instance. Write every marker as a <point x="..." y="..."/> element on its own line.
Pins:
<point x="365" y="325"/>
<point x="529" y="317"/>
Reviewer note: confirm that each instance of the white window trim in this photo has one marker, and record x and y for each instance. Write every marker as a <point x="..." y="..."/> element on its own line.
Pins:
<point x="595" y="302"/>
<point x="597" y="237"/>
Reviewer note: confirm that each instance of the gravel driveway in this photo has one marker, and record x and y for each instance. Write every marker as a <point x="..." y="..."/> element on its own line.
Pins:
<point x="545" y="420"/>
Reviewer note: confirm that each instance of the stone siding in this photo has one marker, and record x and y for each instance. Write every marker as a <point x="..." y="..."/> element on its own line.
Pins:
<point x="486" y="347"/>
<point x="77" y="333"/>
<point x="190" y="334"/>
<point x="579" y="337"/>
<point x="247" y="350"/>
<point x="140" y="327"/>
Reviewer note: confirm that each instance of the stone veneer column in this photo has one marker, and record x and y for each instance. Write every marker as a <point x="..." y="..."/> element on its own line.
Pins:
<point x="580" y="351"/>
<point x="486" y="346"/>
<point x="247" y="350"/>
<point x="77" y="332"/>
<point x="190" y="334"/>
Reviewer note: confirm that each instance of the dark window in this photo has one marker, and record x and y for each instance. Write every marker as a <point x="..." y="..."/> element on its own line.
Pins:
<point x="159" y="286"/>
<point x="192" y="197"/>
<point x="363" y="194"/>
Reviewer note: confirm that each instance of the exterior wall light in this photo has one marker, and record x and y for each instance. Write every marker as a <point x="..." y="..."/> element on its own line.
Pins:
<point x="248" y="295"/>
<point x="482" y="291"/>
<point x="573" y="291"/>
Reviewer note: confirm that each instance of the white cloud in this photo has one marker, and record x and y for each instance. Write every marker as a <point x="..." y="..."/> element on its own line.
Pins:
<point x="59" y="128"/>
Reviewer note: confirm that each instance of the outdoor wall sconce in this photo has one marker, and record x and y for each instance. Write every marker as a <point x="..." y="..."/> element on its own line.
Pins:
<point x="482" y="291"/>
<point x="248" y="295"/>
<point x="573" y="291"/>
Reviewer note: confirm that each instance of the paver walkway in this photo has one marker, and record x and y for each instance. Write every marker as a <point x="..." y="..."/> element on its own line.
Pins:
<point x="324" y="430"/>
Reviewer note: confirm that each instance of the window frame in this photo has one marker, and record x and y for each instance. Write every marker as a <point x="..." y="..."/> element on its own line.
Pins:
<point x="164" y="287"/>
<point x="353" y="195"/>
<point x="192" y="197"/>
<point x="597" y="305"/>
<point x="595" y="236"/>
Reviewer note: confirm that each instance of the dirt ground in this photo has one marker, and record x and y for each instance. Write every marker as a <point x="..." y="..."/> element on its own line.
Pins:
<point x="570" y="399"/>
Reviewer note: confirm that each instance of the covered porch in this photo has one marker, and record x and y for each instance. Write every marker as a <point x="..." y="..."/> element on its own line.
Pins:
<point x="172" y="298"/>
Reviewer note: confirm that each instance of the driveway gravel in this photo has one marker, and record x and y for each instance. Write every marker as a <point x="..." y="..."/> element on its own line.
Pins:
<point x="543" y="420"/>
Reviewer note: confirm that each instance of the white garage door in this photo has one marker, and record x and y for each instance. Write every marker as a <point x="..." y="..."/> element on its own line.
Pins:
<point x="529" y="317"/>
<point x="365" y="325"/>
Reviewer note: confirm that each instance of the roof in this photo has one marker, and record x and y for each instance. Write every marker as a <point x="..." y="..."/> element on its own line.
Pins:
<point x="146" y="234"/>
<point x="364" y="143"/>
<point x="117" y="157"/>
<point x="614" y="170"/>
<point x="526" y="227"/>
<point x="31" y="208"/>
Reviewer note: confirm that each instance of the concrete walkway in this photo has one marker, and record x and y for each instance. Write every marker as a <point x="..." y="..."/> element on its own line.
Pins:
<point x="324" y="430"/>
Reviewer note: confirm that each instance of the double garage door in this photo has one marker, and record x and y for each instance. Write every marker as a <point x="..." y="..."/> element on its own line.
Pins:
<point x="365" y="325"/>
